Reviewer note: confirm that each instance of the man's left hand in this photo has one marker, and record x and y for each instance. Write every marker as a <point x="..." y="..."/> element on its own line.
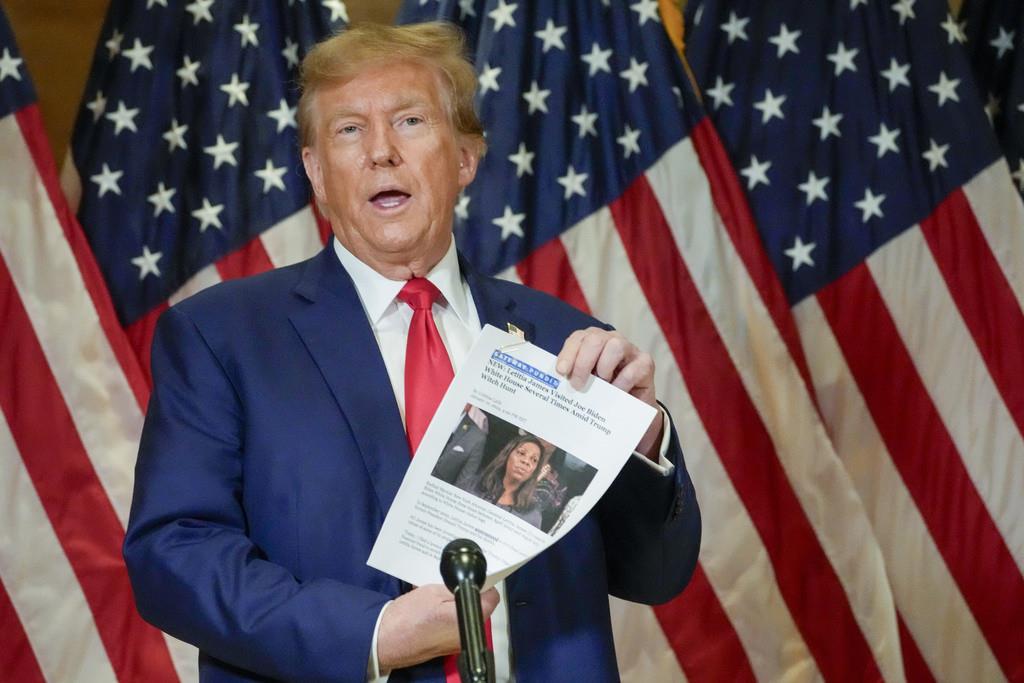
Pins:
<point x="617" y="360"/>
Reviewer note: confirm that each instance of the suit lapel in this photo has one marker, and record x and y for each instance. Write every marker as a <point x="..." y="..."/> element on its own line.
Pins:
<point x="335" y="331"/>
<point x="494" y="306"/>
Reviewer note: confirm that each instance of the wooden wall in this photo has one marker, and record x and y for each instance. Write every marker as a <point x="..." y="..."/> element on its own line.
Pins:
<point x="58" y="38"/>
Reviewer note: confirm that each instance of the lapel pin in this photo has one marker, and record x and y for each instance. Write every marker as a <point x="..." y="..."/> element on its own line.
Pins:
<point x="515" y="332"/>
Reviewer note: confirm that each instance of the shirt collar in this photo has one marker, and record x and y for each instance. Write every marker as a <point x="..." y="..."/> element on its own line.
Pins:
<point x="377" y="293"/>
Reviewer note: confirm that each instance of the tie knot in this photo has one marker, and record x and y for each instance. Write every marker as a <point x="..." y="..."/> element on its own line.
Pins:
<point x="420" y="293"/>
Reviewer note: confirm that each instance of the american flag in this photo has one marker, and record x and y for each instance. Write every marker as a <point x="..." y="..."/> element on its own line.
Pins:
<point x="185" y="162"/>
<point x="184" y="171"/>
<point x="832" y="293"/>
<point x="71" y="397"/>
<point x="887" y="211"/>
<point x="994" y="39"/>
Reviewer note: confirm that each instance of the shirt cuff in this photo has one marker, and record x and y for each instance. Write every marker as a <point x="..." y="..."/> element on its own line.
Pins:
<point x="373" y="672"/>
<point x="664" y="466"/>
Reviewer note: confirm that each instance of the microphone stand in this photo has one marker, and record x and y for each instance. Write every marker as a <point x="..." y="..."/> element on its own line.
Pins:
<point x="464" y="568"/>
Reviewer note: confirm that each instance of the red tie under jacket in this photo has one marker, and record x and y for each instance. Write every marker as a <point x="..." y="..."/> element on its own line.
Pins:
<point x="428" y="372"/>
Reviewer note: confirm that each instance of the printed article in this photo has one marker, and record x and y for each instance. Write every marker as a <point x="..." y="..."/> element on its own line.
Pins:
<point x="513" y="458"/>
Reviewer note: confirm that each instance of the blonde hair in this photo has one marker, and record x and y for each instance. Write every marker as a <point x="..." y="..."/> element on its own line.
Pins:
<point x="436" y="44"/>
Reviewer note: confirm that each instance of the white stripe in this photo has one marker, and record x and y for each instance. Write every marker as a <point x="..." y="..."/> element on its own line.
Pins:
<point x="204" y="278"/>
<point x="932" y="606"/>
<point x="775" y="387"/>
<point x="44" y="590"/>
<point x="733" y="556"/>
<point x="185" y="659"/>
<point x="293" y="239"/>
<point x="104" y="409"/>
<point x="1000" y="214"/>
<point x="511" y="275"/>
<point x="643" y="651"/>
<point x="956" y="378"/>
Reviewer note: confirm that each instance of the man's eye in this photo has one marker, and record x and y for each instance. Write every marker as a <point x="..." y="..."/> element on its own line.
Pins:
<point x="348" y="129"/>
<point x="413" y="120"/>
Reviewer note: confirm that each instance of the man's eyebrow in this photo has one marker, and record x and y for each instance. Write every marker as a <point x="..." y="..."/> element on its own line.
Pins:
<point x="404" y="103"/>
<point x="410" y="103"/>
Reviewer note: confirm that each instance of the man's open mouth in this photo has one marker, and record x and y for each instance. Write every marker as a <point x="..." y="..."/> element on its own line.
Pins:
<point x="389" y="199"/>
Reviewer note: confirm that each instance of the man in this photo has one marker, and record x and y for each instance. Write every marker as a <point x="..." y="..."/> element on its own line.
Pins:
<point x="459" y="462"/>
<point x="275" y="439"/>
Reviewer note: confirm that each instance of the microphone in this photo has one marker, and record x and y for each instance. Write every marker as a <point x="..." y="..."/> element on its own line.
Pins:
<point x="464" y="568"/>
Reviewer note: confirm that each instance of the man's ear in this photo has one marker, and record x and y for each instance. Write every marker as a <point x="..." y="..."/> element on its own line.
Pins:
<point x="314" y="172"/>
<point x="469" y="158"/>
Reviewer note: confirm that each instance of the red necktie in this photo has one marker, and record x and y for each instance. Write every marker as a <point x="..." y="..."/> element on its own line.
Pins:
<point x="428" y="372"/>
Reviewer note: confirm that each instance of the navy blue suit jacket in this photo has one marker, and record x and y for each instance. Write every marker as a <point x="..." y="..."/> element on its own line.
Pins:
<point x="272" y="450"/>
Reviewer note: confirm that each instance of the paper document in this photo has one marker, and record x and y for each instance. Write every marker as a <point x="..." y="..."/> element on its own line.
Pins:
<point x="513" y="458"/>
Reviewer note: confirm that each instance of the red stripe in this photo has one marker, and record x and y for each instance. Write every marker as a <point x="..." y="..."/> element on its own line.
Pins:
<point x="72" y="495"/>
<point x="322" y="224"/>
<point x="249" y="259"/>
<point x="140" y="336"/>
<point x="31" y="124"/>
<point x="982" y="294"/>
<point x="805" y="577"/>
<point x="549" y="270"/>
<point x="928" y="462"/>
<point x="731" y="204"/>
<point x="17" y="659"/>
<point x="702" y="636"/>
<point x="914" y="667"/>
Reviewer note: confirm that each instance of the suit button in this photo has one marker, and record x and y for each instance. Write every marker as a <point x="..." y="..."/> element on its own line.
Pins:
<point x="521" y="603"/>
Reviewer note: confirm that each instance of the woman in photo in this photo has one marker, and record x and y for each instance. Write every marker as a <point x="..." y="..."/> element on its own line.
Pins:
<point x="509" y="481"/>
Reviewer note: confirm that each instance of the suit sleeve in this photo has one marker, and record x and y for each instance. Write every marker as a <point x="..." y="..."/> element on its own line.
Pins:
<point x="651" y="528"/>
<point x="195" y="572"/>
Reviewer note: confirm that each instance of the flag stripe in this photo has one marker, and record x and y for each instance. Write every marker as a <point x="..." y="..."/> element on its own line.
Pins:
<point x="914" y="666"/>
<point x="17" y="661"/>
<point x="248" y="259"/>
<point x="701" y="635"/>
<point x="927" y="459"/>
<point x="72" y="495"/>
<point x="547" y="268"/>
<point x="1000" y="215"/>
<point x="982" y="295"/>
<point x="42" y="588"/>
<point x="34" y="137"/>
<point x="955" y="378"/>
<point x="140" y="336"/>
<point x="295" y="238"/>
<point x="641" y="646"/>
<point x="600" y="263"/>
<point x="806" y="578"/>
<point x="926" y="594"/>
<point x="732" y="208"/>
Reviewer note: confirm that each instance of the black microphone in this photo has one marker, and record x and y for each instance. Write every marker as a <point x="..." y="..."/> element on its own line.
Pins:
<point x="464" y="568"/>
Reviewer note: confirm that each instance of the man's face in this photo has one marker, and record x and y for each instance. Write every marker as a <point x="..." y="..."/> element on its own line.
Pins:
<point x="387" y="166"/>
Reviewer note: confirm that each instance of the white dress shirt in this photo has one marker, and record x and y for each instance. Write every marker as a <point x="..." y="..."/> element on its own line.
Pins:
<point x="459" y="325"/>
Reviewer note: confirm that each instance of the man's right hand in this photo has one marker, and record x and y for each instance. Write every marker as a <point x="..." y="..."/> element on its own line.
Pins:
<point x="422" y="624"/>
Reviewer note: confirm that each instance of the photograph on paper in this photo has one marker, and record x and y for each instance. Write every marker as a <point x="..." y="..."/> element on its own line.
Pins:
<point x="517" y="472"/>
